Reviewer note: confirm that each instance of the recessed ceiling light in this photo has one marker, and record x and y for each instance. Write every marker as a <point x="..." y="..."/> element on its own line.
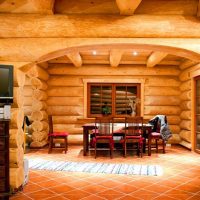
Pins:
<point x="94" y="52"/>
<point x="135" y="53"/>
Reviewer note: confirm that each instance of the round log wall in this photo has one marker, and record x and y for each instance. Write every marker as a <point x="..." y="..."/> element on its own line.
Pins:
<point x="35" y="104"/>
<point x="66" y="94"/>
<point x="16" y="132"/>
<point x="186" y="105"/>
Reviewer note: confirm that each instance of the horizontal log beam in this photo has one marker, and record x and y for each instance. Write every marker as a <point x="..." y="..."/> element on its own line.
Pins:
<point x="153" y="7"/>
<point x="186" y="64"/>
<point x="18" y="49"/>
<point x="62" y="69"/>
<point x="164" y="26"/>
<point x="28" y="6"/>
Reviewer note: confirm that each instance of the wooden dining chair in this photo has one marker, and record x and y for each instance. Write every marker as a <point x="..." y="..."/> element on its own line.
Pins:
<point x="103" y="133"/>
<point x="155" y="136"/>
<point x="133" y="135"/>
<point x="56" y="135"/>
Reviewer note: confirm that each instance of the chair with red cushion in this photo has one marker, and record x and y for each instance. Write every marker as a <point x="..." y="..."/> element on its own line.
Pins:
<point x="103" y="133"/>
<point x="56" y="135"/>
<point x="133" y="135"/>
<point x="155" y="136"/>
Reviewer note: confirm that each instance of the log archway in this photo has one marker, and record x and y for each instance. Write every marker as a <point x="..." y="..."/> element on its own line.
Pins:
<point x="159" y="60"/>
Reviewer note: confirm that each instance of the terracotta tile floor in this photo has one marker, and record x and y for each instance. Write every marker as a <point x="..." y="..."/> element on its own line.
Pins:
<point x="181" y="178"/>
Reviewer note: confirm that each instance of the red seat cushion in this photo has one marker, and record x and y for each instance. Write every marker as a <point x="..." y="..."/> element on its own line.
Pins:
<point x="155" y="134"/>
<point x="133" y="137"/>
<point x="59" y="134"/>
<point x="104" y="137"/>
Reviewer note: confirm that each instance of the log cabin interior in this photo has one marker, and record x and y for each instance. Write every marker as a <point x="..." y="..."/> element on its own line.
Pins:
<point x="69" y="58"/>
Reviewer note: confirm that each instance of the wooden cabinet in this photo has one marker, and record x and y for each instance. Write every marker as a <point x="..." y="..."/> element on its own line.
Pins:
<point x="4" y="159"/>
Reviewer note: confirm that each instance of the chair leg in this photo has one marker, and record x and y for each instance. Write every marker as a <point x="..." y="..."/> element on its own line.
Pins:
<point x="141" y="150"/>
<point x="65" y="145"/>
<point x="149" y="147"/>
<point x="111" y="149"/>
<point x="164" y="145"/>
<point x="156" y="145"/>
<point x="125" y="149"/>
<point x="95" y="150"/>
<point x="50" y="144"/>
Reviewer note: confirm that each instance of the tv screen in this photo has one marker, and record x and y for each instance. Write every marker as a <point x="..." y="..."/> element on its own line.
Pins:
<point x="6" y="83"/>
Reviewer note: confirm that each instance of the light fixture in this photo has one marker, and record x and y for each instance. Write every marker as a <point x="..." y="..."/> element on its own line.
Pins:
<point x="135" y="53"/>
<point x="94" y="52"/>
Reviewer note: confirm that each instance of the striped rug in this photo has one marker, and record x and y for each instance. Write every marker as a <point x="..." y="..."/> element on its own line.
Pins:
<point x="89" y="167"/>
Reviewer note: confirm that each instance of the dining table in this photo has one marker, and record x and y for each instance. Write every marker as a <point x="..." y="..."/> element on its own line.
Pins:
<point x="87" y="129"/>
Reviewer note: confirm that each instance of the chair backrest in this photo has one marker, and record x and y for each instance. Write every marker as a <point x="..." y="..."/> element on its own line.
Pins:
<point x="103" y="126"/>
<point x="134" y="125"/>
<point x="156" y="122"/>
<point x="50" y="120"/>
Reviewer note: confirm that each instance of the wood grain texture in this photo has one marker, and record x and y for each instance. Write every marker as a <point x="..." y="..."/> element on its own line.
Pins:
<point x="155" y="58"/>
<point x="95" y="26"/>
<point x="162" y="110"/>
<point x="75" y="58"/>
<point x="16" y="177"/>
<point x="50" y="48"/>
<point x="162" y="91"/>
<point x="185" y="135"/>
<point x="127" y="7"/>
<point x="185" y="85"/>
<point x="16" y="138"/>
<point x="106" y="70"/>
<point x="16" y="156"/>
<point x="28" y="6"/>
<point x="153" y="7"/>
<point x="186" y="115"/>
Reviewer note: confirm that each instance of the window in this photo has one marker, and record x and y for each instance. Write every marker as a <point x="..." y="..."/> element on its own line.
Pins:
<point x="116" y="99"/>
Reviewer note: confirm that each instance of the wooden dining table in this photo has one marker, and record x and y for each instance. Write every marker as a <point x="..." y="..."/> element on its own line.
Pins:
<point x="147" y="128"/>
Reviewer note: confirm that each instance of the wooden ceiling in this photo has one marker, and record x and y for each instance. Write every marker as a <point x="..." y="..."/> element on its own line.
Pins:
<point x="113" y="57"/>
<point x="123" y="7"/>
<point x="119" y="57"/>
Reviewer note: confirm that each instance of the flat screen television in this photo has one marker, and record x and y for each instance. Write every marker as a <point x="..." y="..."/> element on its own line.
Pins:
<point x="6" y="84"/>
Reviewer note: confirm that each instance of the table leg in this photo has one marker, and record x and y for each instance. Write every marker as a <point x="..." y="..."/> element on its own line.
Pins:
<point x="85" y="141"/>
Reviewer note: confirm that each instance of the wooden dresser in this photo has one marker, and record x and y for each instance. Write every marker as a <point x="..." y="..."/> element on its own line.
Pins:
<point x="4" y="159"/>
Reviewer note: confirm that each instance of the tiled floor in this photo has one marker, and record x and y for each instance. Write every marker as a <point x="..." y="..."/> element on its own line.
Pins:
<point x="181" y="178"/>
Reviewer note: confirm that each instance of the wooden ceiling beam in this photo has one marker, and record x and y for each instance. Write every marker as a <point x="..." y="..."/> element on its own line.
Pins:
<point x="127" y="7"/>
<point x="187" y="63"/>
<point x="75" y="58"/>
<point x="28" y="6"/>
<point x="198" y="9"/>
<point x="155" y="58"/>
<point x="115" y="57"/>
<point x="122" y="62"/>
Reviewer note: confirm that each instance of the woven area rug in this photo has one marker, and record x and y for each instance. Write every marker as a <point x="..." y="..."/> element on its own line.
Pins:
<point x="89" y="167"/>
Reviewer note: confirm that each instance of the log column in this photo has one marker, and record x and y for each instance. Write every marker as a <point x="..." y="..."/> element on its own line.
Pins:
<point x="16" y="140"/>
<point x="162" y="97"/>
<point x="185" y="88"/>
<point x="38" y="77"/>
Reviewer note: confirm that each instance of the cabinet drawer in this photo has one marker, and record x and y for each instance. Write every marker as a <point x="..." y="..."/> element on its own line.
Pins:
<point x="2" y="172"/>
<point x="2" y="185"/>
<point x="2" y="143"/>
<point x="2" y="128"/>
<point x="2" y="158"/>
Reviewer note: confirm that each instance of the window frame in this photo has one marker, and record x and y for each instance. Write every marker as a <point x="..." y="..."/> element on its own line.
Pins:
<point x="113" y="85"/>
